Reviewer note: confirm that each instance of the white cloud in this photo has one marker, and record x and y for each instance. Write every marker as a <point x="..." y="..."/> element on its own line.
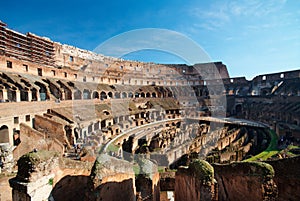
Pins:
<point x="218" y="15"/>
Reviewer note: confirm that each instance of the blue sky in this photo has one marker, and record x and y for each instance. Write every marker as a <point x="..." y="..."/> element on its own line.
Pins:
<point x="250" y="37"/>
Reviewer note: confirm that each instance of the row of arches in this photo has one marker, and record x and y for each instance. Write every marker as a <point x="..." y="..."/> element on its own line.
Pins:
<point x="87" y="94"/>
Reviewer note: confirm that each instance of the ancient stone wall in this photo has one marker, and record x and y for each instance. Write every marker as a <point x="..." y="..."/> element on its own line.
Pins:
<point x="51" y="128"/>
<point x="287" y="178"/>
<point x="245" y="181"/>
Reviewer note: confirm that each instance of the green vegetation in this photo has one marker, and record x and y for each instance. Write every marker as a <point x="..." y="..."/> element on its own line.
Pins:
<point x="136" y="169"/>
<point x="50" y="182"/>
<point x="267" y="169"/>
<point x="113" y="148"/>
<point x="162" y="169"/>
<point x="39" y="156"/>
<point x="270" y="151"/>
<point x="202" y="170"/>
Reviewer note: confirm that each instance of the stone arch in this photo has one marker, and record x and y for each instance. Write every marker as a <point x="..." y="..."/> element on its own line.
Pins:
<point x="43" y="91"/>
<point x="95" y="95"/>
<point x="136" y="95"/>
<point x="68" y="94"/>
<point x="124" y="95"/>
<point x="130" y="95"/>
<point x="153" y="95"/>
<point x="103" y="95"/>
<point x="77" y="95"/>
<point x="117" y="95"/>
<point x="148" y="95"/>
<point x="4" y="134"/>
<point x="86" y="94"/>
<point x="143" y="95"/>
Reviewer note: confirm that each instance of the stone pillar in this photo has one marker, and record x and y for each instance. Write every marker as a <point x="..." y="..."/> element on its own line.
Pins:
<point x="18" y="96"/>
<point x="38" y="96"/>
<point x="63" y="95"/>
<point x="5" y="96"/>
<point x="29" y="95"/>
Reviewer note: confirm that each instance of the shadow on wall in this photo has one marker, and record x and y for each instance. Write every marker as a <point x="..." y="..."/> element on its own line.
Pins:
<point x="72" y="188"/>
<point x="114" y="191"/>
<point x="80" y="188"/>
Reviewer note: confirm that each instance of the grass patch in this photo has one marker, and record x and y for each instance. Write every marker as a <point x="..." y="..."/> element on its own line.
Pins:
<point x="113" y="148"/>
<point x="136" y="169"/>
<point x="270" y="151"/>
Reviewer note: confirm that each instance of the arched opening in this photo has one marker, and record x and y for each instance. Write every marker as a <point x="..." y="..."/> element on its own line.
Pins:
<point x="11" y="95"/>
<point x="24" y="95"/>
<point x="43" y="91"/>
<point x="110" y="94"/>
<point x="136" y="95"/>
<point x="86" y="94"/>
<point x="103" y="95"/>
<point x="4" y="134"/>
<point x="200" y="92"/>
<point x="130" y="95"/>
<point x="68" y="94"/>
<point x="148" y="95"/>
<point x="96" y="126"/>
<point x="95" y="95"/>
<point x="143" y="95"/>
<point x="16" y="138"/>
<point x="153" y="95"/>
<point x="124" y="95"/>
<point x="34" y="94"/>
<point x="90" y="128"/>
<point x="117" y="95"/>
<point x="69" y="135"/>
<point x="77" y="95"/>
<point x="1" y="95"/>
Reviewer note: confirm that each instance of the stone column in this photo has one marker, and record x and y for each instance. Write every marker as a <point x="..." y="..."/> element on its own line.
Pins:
<point x="5" y="96"/>
<point x="29" y="95"/>
<point x="38" y="96"/>
<point x="18" y="95"/>
<point x="63" y="95"/>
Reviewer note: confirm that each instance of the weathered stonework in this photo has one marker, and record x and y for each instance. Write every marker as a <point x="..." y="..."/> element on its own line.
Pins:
<point x="196" y="182"/>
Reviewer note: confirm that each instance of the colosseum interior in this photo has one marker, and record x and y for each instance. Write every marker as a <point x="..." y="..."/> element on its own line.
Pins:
<point x="76" y="125"/>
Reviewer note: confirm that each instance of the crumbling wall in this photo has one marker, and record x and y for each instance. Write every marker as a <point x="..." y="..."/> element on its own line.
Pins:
<point x="245" y="181"/>
<point x="29" y="135"/>
<point x="51" y="128"/>
<point x="195" y="183"/>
